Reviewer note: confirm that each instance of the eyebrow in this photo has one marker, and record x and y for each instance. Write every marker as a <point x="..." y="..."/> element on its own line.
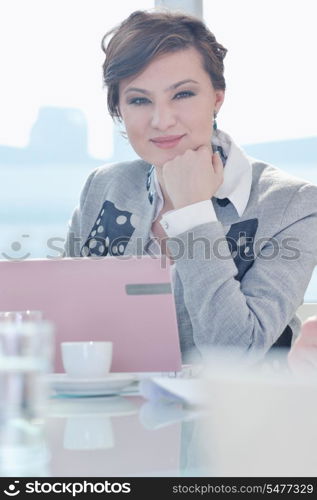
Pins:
<point x="171" y="87"/>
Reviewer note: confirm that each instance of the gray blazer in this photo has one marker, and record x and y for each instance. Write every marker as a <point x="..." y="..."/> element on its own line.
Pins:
<point x="242" y="295"/>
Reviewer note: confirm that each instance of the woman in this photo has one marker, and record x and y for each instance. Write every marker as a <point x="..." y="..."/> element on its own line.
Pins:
<point x="242" y="234"/>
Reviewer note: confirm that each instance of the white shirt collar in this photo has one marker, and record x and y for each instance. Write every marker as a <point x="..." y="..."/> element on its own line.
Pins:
<point x="237" y="175"/>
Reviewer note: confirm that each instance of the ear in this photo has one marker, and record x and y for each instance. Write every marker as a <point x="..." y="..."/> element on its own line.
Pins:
<point x="219" y="98"/>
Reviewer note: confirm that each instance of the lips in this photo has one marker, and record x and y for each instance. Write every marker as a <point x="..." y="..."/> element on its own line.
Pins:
<point x="167" y="138"/>
<point x="168" y="141"/>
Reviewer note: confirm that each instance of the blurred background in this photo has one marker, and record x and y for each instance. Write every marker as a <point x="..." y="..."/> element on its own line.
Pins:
<point x="54" y="125"/>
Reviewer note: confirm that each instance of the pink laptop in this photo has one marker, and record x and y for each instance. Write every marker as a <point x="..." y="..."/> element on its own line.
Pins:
<point x="127" y="301"/>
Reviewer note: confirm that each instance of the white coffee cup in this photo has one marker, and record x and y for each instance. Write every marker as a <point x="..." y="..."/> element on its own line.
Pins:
<point x="87" y="359"/>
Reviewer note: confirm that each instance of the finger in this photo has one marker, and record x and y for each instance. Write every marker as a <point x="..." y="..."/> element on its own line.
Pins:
<point x="202" y="147"/>
<point x="217" y="163"/>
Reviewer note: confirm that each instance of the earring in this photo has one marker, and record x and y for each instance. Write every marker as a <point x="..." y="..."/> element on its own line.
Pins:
<point x="215" y="121"/>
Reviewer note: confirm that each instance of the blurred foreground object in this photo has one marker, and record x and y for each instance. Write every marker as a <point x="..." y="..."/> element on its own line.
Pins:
<point x="262" y="421"/>
<point x="26" y="356"/>
<point x="302" y="357"/>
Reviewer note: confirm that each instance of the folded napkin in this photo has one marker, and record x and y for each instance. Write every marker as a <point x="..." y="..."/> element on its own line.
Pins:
<point x="156" y="414"/>
<point x="186" y="390"/>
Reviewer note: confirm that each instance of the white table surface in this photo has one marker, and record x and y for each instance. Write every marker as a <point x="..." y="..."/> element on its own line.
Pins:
<point x="251" y="428"/>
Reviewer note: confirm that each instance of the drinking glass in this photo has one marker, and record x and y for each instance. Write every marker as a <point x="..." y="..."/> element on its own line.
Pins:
<point x="28" y="315"/>
<point x="26" y="355"/>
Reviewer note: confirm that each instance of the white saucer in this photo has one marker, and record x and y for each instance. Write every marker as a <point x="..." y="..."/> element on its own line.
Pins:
<point x="65" y="385"/>
<point x="108" y="406"/>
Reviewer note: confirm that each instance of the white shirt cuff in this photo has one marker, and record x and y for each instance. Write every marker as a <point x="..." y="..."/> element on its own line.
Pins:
<point x="183" y="219"/>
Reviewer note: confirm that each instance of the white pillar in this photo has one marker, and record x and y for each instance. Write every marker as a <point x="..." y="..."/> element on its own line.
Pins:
<point x="193" y="7"/>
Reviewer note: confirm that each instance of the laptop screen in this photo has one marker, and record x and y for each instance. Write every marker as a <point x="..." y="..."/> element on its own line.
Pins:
<point x="126" y="300"/>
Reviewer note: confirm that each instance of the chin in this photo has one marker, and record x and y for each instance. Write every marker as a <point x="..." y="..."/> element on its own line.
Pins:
<point x="168" y="156"/>
<point x="159" y="158"/>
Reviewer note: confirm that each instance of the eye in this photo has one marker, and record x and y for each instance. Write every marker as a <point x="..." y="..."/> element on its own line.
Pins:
<point x="138" y="101"/>
<point x="184" y="94"/>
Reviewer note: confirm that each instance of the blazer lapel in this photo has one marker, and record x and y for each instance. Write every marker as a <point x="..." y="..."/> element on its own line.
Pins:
<point x="143" y="210"/>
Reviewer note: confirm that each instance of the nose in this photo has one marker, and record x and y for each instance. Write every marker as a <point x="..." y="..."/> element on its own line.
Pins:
<point x="163" y="117"/>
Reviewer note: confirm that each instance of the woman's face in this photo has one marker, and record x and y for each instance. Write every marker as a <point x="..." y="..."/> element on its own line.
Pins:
<point x="169" y="107"/>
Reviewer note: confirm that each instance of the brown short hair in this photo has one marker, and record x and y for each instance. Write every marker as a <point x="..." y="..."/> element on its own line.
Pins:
<point x="145" y="35"/>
